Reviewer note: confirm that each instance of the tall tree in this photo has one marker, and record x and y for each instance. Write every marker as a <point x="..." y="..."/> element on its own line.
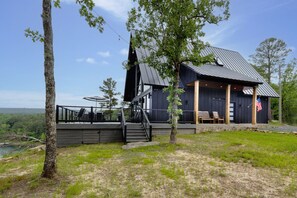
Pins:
<point x="172" y="32"/>
<point x="289" y="93"/>
<point x="270" y="57"/>
<point x="86" y="8"/>
<point x="109" y="90"/>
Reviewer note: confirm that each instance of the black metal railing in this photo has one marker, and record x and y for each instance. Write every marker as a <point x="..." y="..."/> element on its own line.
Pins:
<point x="70" y="114"/>
<point x="124" y="125"/>
<point x="142" y="116"/>
<point x="162" y="116"/>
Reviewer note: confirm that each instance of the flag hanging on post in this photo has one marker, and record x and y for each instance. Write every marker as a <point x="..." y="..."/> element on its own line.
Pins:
<point x="258" y="105"/>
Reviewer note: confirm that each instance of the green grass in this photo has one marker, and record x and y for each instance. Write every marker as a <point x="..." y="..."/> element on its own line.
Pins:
<point x="105" y="170"/>
<point x="259" y="149"/>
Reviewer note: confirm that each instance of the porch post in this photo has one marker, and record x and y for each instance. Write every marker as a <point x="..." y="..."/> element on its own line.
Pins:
<point x="227" y="111"/>
<point x="196" y="101"/>
<point x="254" y="110"/>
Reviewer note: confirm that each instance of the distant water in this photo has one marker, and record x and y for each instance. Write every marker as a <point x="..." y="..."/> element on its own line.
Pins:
<point x="8" y="149"/>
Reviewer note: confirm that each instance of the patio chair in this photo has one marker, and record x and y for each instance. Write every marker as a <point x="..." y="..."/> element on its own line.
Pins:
<point x="204" y="116"/>
<point x="81" y="113"/>
<point x="216" y="117"/>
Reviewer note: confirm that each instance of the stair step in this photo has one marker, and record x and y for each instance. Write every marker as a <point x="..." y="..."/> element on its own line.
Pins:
<point x="136" y="133"/>
<point x="137" y="140"/>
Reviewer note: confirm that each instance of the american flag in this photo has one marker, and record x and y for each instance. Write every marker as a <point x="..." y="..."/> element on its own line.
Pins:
<point x="258" y="105"/>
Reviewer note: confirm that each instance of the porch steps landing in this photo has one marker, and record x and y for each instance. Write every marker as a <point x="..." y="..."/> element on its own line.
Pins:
<point x="136" y="133"/>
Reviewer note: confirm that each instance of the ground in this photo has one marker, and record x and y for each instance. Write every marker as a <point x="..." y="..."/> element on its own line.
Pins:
<point x="221" y="164"/>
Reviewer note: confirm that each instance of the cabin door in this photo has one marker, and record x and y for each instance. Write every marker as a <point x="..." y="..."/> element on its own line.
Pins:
<point x="232" y="111"/>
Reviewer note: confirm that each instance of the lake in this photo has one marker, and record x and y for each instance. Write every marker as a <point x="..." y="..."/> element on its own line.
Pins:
<point x="8" y="149"/>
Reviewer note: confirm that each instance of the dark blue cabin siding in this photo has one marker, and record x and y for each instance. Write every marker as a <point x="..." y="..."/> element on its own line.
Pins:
<point x="209" y="100"/>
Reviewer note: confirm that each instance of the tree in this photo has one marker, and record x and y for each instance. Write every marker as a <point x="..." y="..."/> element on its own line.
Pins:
<point x="109" y="91"/>
<point x="289" y="99"/>
<point x="166" y="29"/>
<point x="86" y="7"/>
<point x="270" y="53"/>
<point x="270" y="57"/>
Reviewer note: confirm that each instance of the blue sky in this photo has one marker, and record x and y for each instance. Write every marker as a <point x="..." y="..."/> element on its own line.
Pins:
<point x="84" y="57"/>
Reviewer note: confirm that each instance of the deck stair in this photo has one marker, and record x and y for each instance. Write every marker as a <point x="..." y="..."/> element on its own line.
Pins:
<point x="136" y="133"/>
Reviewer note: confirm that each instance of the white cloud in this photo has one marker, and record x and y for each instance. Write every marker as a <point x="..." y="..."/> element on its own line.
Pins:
<point x="21" y="99"/>
<point x="91" y="61"/>
<point x="124" y="52"/>
<point x="104" y="54"/>
<point x="35" y="99"/>
<point x="118" y="8"/>
<point x="216" y="35"/>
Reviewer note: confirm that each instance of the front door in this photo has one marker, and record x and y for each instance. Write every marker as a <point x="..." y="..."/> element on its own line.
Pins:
<point x="232" y="111"/>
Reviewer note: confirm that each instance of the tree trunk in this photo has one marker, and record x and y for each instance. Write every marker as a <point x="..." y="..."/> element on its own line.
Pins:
<point x="174" y="116"/>
<point x="49" y="168"/>
<point x="280" y="95"/>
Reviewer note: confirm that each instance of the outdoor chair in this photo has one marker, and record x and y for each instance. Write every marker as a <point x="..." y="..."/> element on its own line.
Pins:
<point x="204" y="116"/>
<point x="81" y="113"/>
<point x="216" y="117"/>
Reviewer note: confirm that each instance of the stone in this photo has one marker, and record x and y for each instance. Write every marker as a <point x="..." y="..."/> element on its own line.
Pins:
<point x="38" y="148"/>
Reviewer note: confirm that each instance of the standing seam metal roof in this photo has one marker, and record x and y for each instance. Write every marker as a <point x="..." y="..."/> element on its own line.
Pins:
<point x="231" y="60"/>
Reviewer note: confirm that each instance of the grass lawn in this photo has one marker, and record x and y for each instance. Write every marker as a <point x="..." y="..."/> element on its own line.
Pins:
<point x="221" y="164"/>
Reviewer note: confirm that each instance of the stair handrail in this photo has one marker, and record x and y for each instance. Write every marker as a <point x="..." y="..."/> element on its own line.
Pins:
<point x="124" y="125"/>
<point x="146" y="124"/>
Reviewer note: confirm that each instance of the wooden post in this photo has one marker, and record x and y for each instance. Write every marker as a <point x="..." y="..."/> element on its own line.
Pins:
<point x="196" y="101"/>
<point x="254" y="110"/>
<point x="227" y="111"/>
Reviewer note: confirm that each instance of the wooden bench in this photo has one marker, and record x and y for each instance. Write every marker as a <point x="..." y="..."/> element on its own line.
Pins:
<point x="204" y="116"/>
<point x="216" y="117"/>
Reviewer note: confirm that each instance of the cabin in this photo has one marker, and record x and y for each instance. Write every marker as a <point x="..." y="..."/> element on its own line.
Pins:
<point x="227" y="94"/>
<point x="229" y="86"/>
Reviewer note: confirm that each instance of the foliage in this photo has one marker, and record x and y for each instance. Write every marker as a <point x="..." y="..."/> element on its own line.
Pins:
<point x="171" y="31"/>
<point x="31" y="125"/>
<point x="109" y="93"/>
<point x="270" y="54"/>
<point x="289" y="93"/>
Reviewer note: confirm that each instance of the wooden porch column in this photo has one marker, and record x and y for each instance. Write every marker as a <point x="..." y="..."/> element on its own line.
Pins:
<point x="227" y="111"/>
<point x="196" y="101"/>
<point x="254" y="109"/>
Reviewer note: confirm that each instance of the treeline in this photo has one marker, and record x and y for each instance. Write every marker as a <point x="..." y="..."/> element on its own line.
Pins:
<point x="22" y="124"/>
<point x="271" y="61"/>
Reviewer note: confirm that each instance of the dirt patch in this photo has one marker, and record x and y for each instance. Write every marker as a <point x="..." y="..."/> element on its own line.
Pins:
<point x="230" y="179"/>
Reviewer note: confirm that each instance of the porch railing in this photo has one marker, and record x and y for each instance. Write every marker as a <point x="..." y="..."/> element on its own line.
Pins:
<point x="145" y="122"/>
<point x="162" y="116"/>
<point x="70" y="114"/>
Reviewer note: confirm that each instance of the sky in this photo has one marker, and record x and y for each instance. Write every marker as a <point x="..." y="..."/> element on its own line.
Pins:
<point x="84" y="57"/>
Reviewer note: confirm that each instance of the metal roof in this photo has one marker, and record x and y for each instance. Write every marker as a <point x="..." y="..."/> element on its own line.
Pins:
<point x="222" y="72"/>
<point x="234" y="61"/>
<point x="149" y="75"/>
<point x="234" y="65"/>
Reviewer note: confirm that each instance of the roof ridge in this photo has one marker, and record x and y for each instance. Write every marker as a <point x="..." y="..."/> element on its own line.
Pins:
<point x="220" y="48"/>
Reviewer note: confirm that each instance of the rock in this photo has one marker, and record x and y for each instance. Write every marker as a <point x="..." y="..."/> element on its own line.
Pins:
<point x="38" y="148"/>
<point x="139" y="144"/>
<point x="6" y="159"/>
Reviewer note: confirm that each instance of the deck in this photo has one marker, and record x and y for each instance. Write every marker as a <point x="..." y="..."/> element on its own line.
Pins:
<point x="107" y="132"/>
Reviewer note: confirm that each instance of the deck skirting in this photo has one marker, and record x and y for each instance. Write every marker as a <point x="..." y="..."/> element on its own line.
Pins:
<point x="75" y="134"/>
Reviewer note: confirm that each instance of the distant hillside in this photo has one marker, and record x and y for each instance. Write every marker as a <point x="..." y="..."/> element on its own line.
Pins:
<point x="21" y="110"/>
